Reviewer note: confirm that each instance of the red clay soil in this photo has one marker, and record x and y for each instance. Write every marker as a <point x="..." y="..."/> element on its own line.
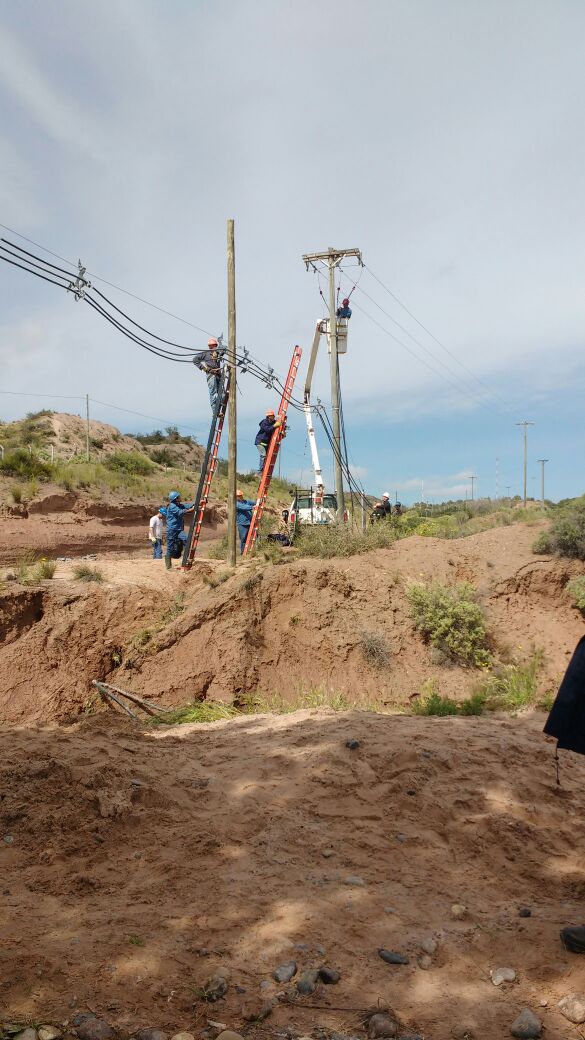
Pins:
<point x="137" y="863"/>
<point x="283" y="630"/>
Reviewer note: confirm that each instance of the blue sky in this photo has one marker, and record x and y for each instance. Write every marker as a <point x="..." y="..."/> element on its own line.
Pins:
<point x="448" y="144"/>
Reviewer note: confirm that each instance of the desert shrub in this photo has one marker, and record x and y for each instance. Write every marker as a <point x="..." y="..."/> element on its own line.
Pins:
<point x="129" y="462"/>
<point x="174" y="609"/>
<point x="16" y="493"/>
<point x="213" y="580"/>
<point x="543" y="543"/>
<point x="163" y="457"/>
<point x="45" y="569"/>
<point x="23" y="567"/>
<point x="512" y="686"/>
<point x="83" y="572"/>
<point x="20" y="463"/>
<point x="568" y="532"/>
<point x="328" y="541"/>
<point x="96" y="442"/>
<point x="451" y="620"/>
<point x="201" y="711"/>
<point x="576" y="587"/>
<point x="432" y="702"/>
<point x="374" y="649"/>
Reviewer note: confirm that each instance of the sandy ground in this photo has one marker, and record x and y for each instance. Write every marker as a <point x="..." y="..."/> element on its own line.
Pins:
<point x="141" y="862"/>
<point x="283" y="631"/>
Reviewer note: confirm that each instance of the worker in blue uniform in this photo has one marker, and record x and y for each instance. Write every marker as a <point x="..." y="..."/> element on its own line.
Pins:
<point x="176" y="537"/>
<point x="209" y="361"/>
<point x="244" y="510"/>
<point x="264" y="436"/>
<point x="345" y="310"/>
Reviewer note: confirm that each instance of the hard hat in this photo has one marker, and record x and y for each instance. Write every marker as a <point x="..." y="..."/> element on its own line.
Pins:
<point x="212" y="343"/>
<point x="386" y="495"/>
<point x="239" y="494"/>
<point x="269" y="412"/>
<point x="345" y="302"/>
<point x="174" y="495"/>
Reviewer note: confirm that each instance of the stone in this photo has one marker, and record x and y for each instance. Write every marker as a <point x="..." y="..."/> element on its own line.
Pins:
<point x="391" y="957"/>
<point x="328" y="853"/>
<point x="8" y="839"/>
<point x="185" y="1036"/>
<point x="215" y="1028"/>
<point x="49" y="1033"/>
<point x="525" y="911"/>
<point x="228" y="1034"/>
<point x="329" y="976"/>
<point x="353" y="745"/>
<point x="382" y="1025"/>
<point x="527" y="1026"/>
<point x="285" y="972"/>
<point x="499" y="975"/>
<point x="257" y="1011"/>
<point x="424" y="961"/>
<point x="463" y="1031"/>
<point x="26" y="1034"/>
<point x="89" y="1027"/>
<point x="215" y="988"/>
<point x="150" y="1034"/>
<point x="354" y="880"/>
<point x="429" y="945"/>
<point x="307" y="983"/>
<point x="458" y="911"/>
<point x="573" y="1008"/>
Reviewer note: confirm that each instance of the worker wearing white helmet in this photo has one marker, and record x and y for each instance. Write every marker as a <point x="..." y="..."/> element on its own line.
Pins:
<point x="209" y="361"/>
<point x="386" y="504"/>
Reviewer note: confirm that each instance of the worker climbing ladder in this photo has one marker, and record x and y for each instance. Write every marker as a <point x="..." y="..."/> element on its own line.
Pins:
<point x="207" y="472"/>
<point x="272" y="452"/>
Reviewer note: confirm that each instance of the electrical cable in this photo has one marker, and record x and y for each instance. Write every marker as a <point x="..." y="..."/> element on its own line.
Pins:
<point x="436" y="340"/>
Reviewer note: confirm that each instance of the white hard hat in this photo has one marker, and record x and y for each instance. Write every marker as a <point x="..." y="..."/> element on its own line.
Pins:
<point x="386" y="494"/>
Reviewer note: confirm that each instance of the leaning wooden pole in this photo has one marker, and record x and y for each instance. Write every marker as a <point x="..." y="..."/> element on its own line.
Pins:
<point x="232" y="415"/>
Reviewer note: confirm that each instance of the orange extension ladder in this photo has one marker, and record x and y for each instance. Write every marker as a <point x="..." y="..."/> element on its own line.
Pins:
<point x="207" y="472"/>
<point x="272" y="453"/>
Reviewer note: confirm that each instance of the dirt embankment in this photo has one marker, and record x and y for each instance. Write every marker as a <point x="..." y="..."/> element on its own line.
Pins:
<point x="139" y="863"/>
<point x="284" y="630"/>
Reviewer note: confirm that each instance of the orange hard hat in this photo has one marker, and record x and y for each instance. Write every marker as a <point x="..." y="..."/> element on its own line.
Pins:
<point x="269" y="412"/>
<point x="212" y="343"/>
<point x="239" y="494"/>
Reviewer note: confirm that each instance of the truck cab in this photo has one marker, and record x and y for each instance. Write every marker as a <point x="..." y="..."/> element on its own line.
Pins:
<point x="312" y="507"/>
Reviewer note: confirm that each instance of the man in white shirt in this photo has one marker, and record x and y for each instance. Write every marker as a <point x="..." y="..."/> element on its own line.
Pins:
<point x="155" y="534"/>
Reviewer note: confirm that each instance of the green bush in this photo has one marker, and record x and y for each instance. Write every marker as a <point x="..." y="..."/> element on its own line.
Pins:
<point x="20" y="463"/>
<point x="513" y="686"/>
<point x="543" y="544"/>
<point x="163" y="457"/>
<point x="82" y="572"/>
<point x="129" y="462"/>
<point x="434" y="703"/>
<point x="576" y="587"/>
<point x="451" y="620"/>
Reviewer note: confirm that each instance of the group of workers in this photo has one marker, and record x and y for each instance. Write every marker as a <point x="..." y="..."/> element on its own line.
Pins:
<point x="174" y="513"/>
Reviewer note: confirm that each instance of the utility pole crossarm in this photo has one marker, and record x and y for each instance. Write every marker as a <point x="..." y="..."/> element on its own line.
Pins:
<point x="331" y="256"/>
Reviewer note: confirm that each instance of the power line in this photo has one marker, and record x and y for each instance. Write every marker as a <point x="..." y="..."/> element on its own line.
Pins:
<point x="438" y="341"/>
<point x="119" y="288"/>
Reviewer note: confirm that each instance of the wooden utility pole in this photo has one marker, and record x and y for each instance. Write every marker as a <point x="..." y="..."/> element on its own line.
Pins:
<point x="232" y="413"/>
<point x="525" y="423"/>
<point x="87" y="426"/>
<point x="472" y="478"/>
<point x="332" y="258"/>
<point x="542" y="463"/>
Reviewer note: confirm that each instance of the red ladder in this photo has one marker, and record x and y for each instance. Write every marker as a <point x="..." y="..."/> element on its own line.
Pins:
<point x="207" y="472"/>
<point x="272" y="453"/>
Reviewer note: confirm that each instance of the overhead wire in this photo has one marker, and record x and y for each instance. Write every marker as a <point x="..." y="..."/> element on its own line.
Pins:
<point x="436" y="340"/>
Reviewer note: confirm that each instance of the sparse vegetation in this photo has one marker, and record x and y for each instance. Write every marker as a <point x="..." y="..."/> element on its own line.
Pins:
<point x="16" y="494"/>
<point x="452" y="621"/>
<point x="23" y="464"/>
<point x="336" y="540"/>
<point x="567" y="532"/>
<point x="200" y="711"/>
<point x="136" y="940"/>
<point x="45" y="569"/>
<point x="317" y="697"/>
<point x="543" y="543"/>
<point x="510" y="686"/>
<point x="23" y="567"/>
<point x="83" y="572"/>
<point x="432" y="702"/>
<point x="174" y="609"/>
<point x="130" y="462"/>
<point x="576" y="588"/>
<point x="374" y="649"/>
<point x="217" y="578"/>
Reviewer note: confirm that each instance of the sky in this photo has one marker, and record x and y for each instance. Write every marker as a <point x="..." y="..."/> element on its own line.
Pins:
<point x="445" y="140"/>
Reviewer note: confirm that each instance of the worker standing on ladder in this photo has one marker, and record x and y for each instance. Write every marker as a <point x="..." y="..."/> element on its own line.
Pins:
<point x="209" y="361"/>
<point x="244" y="510"/>
<point x="176" y="537"/>
<point x="264" y="436"/>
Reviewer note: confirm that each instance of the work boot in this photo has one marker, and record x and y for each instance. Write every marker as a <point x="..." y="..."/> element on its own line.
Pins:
<point x="168" y="563"/>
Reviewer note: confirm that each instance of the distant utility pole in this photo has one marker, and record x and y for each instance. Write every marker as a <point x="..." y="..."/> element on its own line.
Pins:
<point x="87" y="426"/>
<point x="508" y="489"/>
<point x="232" y="414"/>
<point x="497" y="478"/>
<point x="525" y="423"/>
<point x="542" y="464"/>
<point x="472" y="478"/>
<point x="332" y="258"/>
